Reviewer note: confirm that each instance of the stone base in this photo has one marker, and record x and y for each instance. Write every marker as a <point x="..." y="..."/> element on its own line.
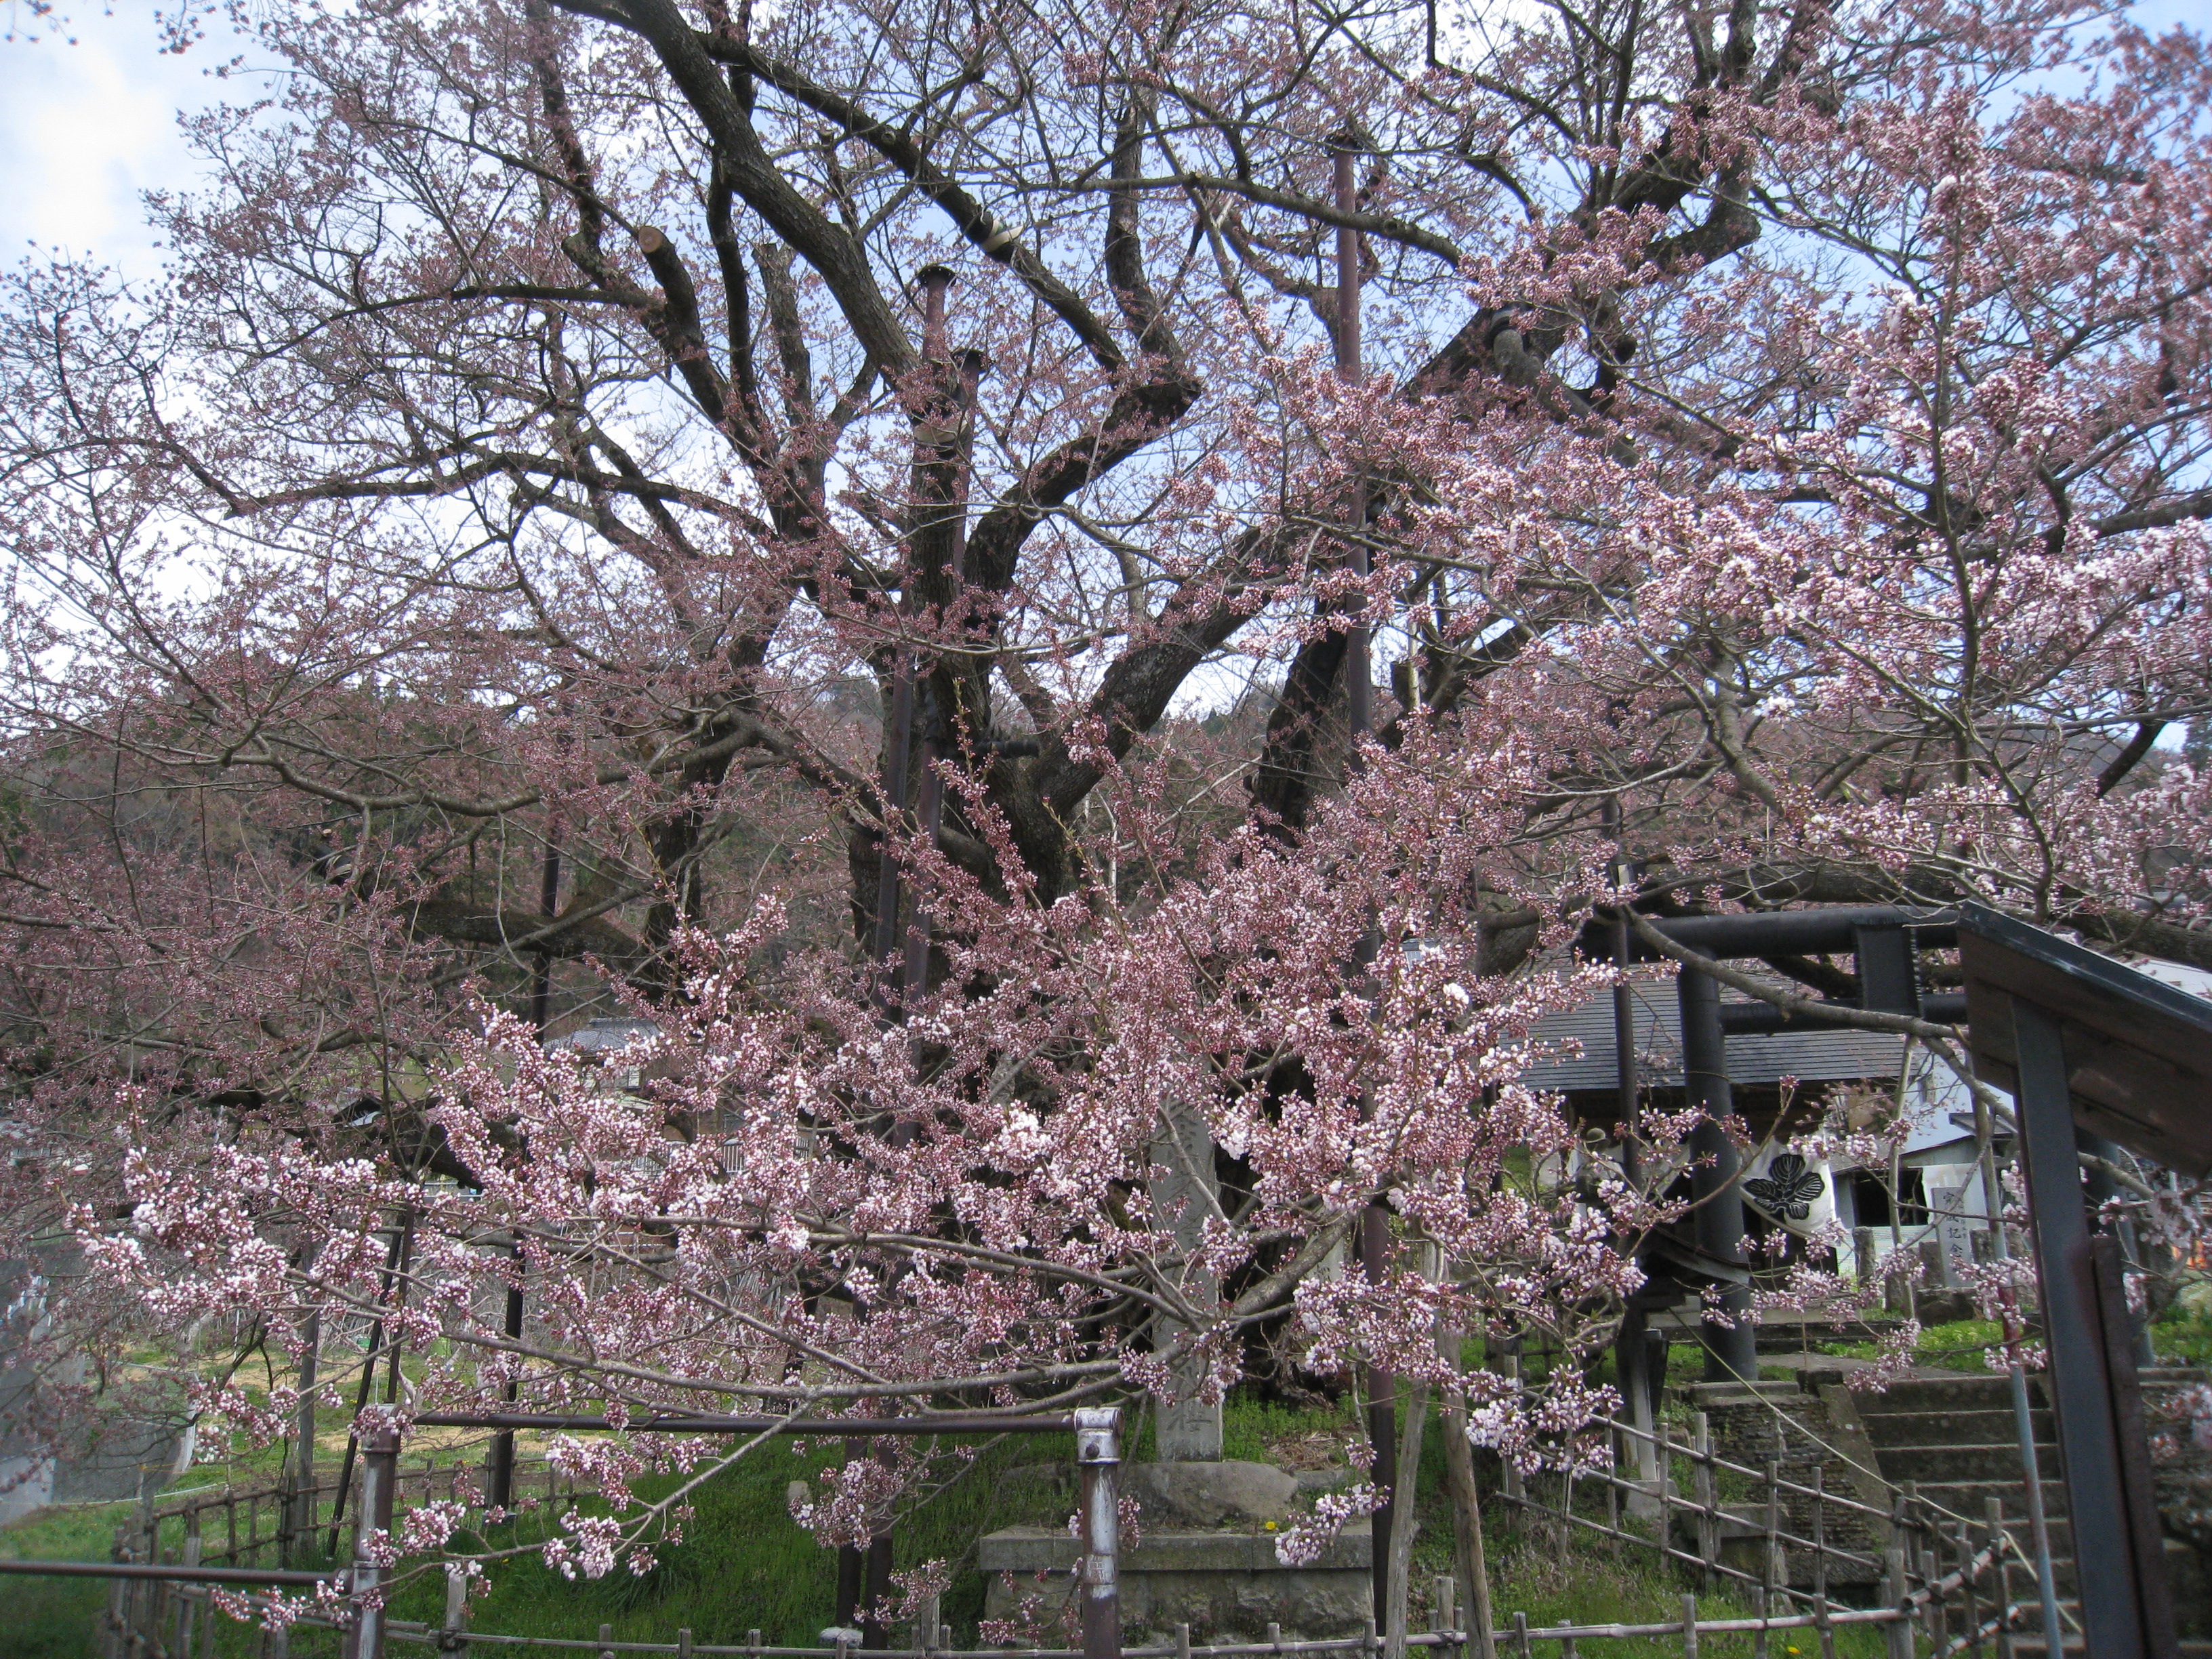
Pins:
<point x="1222" y="1584"/>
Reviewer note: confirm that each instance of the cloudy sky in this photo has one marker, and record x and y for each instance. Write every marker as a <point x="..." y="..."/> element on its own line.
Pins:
<point x="88" y="124"/>
<point x="86" y="127"/>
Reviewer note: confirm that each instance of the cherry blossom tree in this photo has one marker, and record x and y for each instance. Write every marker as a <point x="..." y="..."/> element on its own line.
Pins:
<point x="842" y="535"/>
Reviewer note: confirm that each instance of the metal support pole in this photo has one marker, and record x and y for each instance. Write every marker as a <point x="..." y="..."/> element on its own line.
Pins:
<point x="372" y="1522"/>
<point x="1731" y="1345"/>
<point x="1097" y="1459"/>
<point x="2023" y="1414"/>
<point x="450" y="1639"/>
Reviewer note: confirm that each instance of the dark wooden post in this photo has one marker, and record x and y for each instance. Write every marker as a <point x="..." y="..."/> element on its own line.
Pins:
<point x="1099" y="1580"/>
<point x="2128" y="1616"/>
<point x="1731" y="1345"/>
<point x="499" y="1467"/>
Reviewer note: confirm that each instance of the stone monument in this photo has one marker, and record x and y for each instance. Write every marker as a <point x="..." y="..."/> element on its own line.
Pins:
<point x="1205" y="1554"/>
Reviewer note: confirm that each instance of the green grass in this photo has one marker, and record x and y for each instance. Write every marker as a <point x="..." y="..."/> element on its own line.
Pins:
<point x="1957" y="1345"/>
<point x="2181" y="1337"/>
<point x="52" y="1618"/>
<point x="743" y="1564"/>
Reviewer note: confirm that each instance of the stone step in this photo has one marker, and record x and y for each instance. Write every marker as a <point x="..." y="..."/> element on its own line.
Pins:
<point x="1956" y="1428"/>
<point x="1935" y="1465"/>
<point x="1944" y="1394"/>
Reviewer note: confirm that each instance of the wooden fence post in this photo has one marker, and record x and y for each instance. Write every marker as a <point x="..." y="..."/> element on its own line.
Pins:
<point x="1967" y="1590"/>
<point x="1821" y="1531"/>
<point x="1513" y="1488"/>
<point x="1689" y="1627"/>
<point x="186" y="1597"/>
<point x="1701" y="1471"/>
<point x="1894" y="1591"/>
<point x="1994" y="1537"/>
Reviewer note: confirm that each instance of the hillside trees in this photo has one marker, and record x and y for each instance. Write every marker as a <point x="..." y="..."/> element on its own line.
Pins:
<point x="572" y="433"/>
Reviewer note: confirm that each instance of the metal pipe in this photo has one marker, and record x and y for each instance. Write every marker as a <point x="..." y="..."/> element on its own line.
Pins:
<point x="372" y="1523"/>
<point x="2023" y="1415"/>
<point x="1098" y="1582"/>
<point x="857" y="1427"/>
<point x="178" y="1575"/>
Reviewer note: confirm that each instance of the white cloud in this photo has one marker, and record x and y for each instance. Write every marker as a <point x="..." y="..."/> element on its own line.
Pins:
<point x="87" y="124"/>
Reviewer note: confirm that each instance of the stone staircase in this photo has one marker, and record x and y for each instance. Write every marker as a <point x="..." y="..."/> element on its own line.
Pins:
<point x="1953" y="1441"/>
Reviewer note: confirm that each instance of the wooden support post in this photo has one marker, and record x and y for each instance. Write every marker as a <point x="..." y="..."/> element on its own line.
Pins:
<point x="1521" y="1649"/>
<point x="606" y="1635"/>
<point x="1182" y="1642"/>
<point x="1731" y="1343"/>
<point x="1821" y="1625"/>
<point x="1689" y="1627"/>
<point x="1758" y="1612"/>
<point x="300" y="1527"/>
<point x="498" y="1466"/>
